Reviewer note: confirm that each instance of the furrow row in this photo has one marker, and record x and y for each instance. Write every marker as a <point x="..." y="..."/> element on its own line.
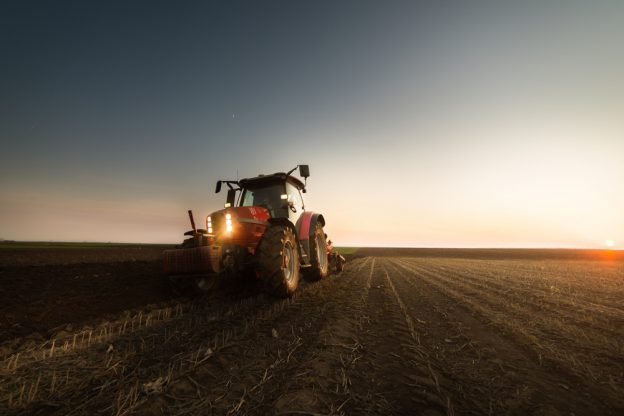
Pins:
<point x="542" y="348"/>
<point x="152" y="353"/>
<point x="595" y="325"/>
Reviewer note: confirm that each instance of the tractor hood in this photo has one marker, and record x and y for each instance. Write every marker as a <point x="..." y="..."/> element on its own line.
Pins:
<point x="230" y="222"/>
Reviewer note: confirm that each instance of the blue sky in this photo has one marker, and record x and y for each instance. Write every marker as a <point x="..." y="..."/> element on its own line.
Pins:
<point x="455" y="124"/>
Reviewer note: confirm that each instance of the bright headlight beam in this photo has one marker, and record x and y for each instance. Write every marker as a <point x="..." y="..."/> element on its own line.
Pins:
<point x="228" y="222"/>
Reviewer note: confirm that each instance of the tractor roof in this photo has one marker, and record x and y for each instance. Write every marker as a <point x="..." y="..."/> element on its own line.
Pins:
<point x="262" y="179"/>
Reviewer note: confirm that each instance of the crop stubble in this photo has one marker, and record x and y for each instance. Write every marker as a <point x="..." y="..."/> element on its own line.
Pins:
<point x="389" y="335"/>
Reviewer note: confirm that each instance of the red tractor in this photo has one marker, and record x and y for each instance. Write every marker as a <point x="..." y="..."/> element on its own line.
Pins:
<point x="264" y="231"/>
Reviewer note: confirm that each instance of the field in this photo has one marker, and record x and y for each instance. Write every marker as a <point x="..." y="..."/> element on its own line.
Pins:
<point x="94" y="330"/>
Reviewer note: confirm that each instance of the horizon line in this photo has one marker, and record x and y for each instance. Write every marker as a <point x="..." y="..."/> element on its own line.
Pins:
<point x="8" y="241"/>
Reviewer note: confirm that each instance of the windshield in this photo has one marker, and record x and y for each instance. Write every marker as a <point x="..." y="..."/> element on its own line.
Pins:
<point x="267" y="196"/>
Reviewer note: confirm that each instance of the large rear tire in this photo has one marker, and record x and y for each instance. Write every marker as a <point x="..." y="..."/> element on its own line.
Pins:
<point x="278" y="257"/>
<point x="318" y="255"/>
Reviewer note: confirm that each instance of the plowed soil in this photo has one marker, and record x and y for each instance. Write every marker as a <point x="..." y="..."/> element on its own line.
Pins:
<point x="46" y="290"/>
<point x="406" y="334"/>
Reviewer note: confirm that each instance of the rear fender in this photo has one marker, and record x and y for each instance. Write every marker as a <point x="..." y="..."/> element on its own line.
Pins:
<point x="306" y="227"/>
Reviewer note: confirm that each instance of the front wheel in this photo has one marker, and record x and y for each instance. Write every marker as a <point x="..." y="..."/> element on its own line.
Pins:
<point x="319" y="257"/>
<point x="278" y="256"/>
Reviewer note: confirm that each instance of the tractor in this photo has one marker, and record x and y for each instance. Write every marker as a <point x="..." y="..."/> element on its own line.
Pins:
<point x="264" y="231"/>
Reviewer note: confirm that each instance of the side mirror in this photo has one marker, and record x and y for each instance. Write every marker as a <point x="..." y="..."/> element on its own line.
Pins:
<point x="304" y="171"/>
<point x="231" y="197"/>
<point x="218" y="189"/>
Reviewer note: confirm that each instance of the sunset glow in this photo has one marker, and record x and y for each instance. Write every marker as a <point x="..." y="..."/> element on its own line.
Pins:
<point x="459" y="124"/>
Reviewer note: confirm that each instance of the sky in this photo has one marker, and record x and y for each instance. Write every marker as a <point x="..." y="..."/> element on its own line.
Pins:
<point x="425" y="124"/>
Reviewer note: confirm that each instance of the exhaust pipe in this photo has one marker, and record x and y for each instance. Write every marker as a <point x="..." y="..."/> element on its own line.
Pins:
<point x="190" y="212"/>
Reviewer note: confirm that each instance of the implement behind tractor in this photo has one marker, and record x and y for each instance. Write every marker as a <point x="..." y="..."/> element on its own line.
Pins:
<point x="264" y="231"/>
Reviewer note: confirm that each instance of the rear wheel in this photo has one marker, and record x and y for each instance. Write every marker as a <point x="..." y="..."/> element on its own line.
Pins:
<point x="339" y="263"/>
<point x="318" y="252"/>
<point x="278" y="257"/>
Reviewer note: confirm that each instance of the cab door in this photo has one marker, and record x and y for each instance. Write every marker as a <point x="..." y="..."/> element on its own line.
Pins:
<point x="295" y="201"/>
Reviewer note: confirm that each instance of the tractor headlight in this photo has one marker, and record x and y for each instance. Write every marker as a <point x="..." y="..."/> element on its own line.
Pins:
<point x="228" y="222"/>
<point x="209" y="224"/>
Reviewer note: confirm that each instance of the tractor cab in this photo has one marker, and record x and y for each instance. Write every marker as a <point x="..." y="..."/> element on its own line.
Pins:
<point x="280" y="193"/>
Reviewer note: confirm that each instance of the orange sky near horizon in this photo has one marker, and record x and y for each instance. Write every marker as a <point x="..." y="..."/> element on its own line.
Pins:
<point x="424" y="125"/>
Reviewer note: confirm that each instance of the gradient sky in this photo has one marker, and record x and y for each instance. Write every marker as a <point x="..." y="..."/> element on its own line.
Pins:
<point x="444" y="124"/>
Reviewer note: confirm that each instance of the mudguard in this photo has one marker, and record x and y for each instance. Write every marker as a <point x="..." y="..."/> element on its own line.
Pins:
<point x="306" y="227"/>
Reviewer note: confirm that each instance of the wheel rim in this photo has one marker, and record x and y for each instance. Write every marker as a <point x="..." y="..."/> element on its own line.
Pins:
<point x="289" y="264"/>
<point x="320" y="252"/>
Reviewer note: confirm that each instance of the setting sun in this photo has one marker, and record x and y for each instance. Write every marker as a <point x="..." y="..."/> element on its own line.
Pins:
<point x="609" y="243"/>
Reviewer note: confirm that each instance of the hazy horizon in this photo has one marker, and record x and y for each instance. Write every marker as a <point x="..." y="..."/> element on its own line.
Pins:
<point x="424" y="125"/>
<point x="138" y="243"/>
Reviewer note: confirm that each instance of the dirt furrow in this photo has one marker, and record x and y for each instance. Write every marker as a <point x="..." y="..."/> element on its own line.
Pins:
<point x="539" y="288"/>
<point x="392" y="375"/>
<point x="320" y="383"/>
<point x="389" y="335"/>
<point x="573" y="270"/>
<point x="150" y="353"/>
<point x="595" y="325"/>
<point x="261" y="371"/>
<point x="23" y="353"/>
<point x="485" y="372"/>
<point x="570" y="277"/>
<point x="38" y="299"/>
<point x="425" y="358"/>
<point x="105" y="365"/>
<point x="527" y="354"/>
<point x="596" y="353"/>
<point x="469" y="370"/>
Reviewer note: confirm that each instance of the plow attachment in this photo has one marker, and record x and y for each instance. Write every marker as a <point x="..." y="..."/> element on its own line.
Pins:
<point x="203" y="260"/>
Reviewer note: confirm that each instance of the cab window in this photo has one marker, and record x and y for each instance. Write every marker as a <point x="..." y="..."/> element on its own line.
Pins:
<point x="295" y="196"/>
<point x="267" y="196"/>
<point x="264" y="195"/>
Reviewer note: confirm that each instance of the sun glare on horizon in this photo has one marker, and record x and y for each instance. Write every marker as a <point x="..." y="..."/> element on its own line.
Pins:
<point x="610" y="243"/>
